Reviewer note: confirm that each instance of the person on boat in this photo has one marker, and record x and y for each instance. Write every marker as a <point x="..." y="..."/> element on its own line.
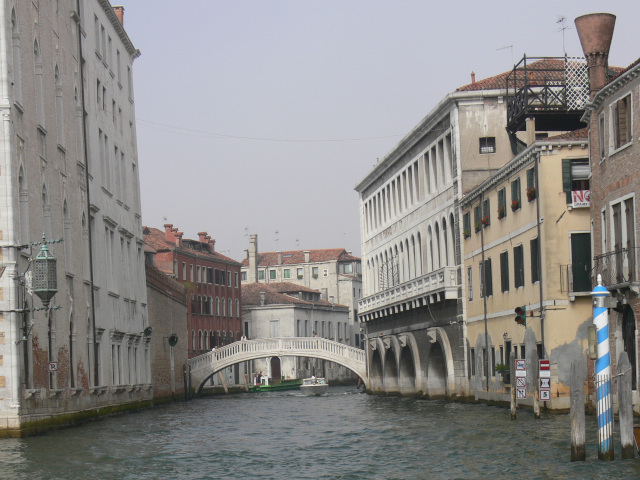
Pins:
<point x="315" y="380"/>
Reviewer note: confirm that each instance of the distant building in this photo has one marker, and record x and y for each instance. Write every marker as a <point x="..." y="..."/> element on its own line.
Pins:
<point x="527" y="244"/>
<point x="334" y="272"/>
<point x="283" y="309"/>
<point x="169" y="339"/>
<point x="70" y="164"/>
<point x="212" y="284"/>
<point x="615" y="152"/>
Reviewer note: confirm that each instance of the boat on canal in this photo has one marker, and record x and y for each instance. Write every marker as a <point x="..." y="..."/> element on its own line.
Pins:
<point x="266" y="386"/>
<point x="314" y="386"/>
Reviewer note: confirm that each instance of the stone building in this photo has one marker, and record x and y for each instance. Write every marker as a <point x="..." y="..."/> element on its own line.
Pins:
<point x="527" y="243"/>
<point x="615" y="158"/>
<point x="69" y="157"/>
<point x="334" y="272"/>
<point x="169" y="339"/>
<point x="284" y="309"/>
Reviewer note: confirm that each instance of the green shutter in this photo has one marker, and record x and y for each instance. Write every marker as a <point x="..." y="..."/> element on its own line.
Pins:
<point x="530" y="179"/>
<point x="566" y="178"/>
<point x="534" y="261"/>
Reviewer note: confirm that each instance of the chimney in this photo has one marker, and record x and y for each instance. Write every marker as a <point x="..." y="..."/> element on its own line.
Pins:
<point x="119" y="11"/>
<point x="596" y="31"/>
<point x="279" y="258"/>
<point x="179" y="239"/>
<point x="307" y="256"/>
<point x="202" y="237"/>
<point x="253" y="253"/>
<point x="473" y="77"/>
<point x="168" y="233"/>
<point x="246" y="254"/>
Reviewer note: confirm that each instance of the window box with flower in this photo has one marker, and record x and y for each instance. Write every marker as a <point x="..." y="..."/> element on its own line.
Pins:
<point x="467" y="233"/>
<point x="515" y="204"/>
<point x="477" y="226"/>
<point x="501" y="212"/>
<point x="531" y="193"/>
<point x="485" y="221"/>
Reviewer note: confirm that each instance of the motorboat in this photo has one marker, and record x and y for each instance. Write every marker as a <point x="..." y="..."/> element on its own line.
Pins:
<point x="314" y="386"/>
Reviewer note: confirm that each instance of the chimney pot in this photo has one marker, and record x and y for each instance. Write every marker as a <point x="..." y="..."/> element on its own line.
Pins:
<point x="596" y="32"/>
<point x="473" y="77"/>
<point x="119" y="11"/>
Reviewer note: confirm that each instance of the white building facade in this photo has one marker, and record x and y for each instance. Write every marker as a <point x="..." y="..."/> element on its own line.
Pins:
<point x="69" y="158"/>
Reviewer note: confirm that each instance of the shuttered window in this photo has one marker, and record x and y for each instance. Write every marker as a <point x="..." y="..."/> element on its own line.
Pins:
<point x="535" y="257"/>
<point x="621" y="116"/>
<point x="518" y="266"/>
<point x="504" y="271"/>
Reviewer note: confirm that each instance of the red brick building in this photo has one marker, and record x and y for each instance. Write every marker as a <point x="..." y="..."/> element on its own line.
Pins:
<point x="615" y="188"/>
<point x="212" y="283"/>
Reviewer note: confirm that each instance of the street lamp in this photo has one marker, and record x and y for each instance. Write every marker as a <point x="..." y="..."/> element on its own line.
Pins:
<point x="45" y="280"/>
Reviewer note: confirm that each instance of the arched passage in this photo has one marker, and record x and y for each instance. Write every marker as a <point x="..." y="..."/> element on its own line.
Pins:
<point x="390" y="372"/>
<point x="436" y="371"/>
<point x="407" y="371"/>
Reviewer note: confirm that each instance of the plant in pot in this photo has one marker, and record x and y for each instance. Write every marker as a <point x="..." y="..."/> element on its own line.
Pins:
<point x="504" y="370"/>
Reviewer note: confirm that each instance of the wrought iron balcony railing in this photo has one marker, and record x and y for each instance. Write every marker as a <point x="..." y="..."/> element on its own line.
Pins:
<point x="618" y="268"/>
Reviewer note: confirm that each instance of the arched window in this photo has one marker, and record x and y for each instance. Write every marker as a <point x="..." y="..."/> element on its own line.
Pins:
<point x="231" y="307"/>
<point x="237" y="308"/>
<point x="224" y="308"/>
<point x="59" y="106"/>
<point x="445" y="238"/>
<point x="217" y="305"/>
<point x="37" y="58"/>
<point x="46" y="213"/>
<point x="17" y="64"/>
<point x="68" y="257"/>
<point x="193" y="340"/>
<point x="24" y="207"/>
<point x="200" y="339"/>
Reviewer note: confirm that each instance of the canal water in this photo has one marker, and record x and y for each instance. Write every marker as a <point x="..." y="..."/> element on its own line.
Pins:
<point x="282" y="435"/>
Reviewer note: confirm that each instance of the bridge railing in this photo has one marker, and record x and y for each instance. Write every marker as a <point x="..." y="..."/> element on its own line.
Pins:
<point x="276" y="344"/>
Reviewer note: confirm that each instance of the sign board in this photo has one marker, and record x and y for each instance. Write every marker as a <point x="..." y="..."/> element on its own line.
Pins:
<point x="521" y="368"/>
<point x="521" y="381"/>
<point x="521" y="393"/>
<point x="545" y="395"/>
<point x="580" y="198"/>
<point x="545" y="383"/>
<point x="53" y="366"/>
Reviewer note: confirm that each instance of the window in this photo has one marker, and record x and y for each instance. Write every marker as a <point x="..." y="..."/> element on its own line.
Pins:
<point x="346" y="268"/>
<point x="473" y="361"/>
<point x="488" y="145"/>
<point x="287" y="273"/>
<point x="486" y="212"/>
<point x="243" y="276"/>
<point x="621" y="122"/>
<point x="531" y="178"/>
<point x="575" y="178"/>
<point x="518" y="266"/>
<point x="466" y="221"/>
<point x="515" y="194"/>
<point x="601" y="136"/>
<point x="237" y="308"/>
<point x="236" y="277"/>
<point x="198" y="274"/>
<point x="470" y="283"/>
<point x="476" y="217"/>
<point x="325" y="273"/>
<point x="504" y="271"/>
<point x="209" y="275"/>
<point x="486" y="279"/>
<point x="272" y="274"/>
<point x="535" y="257"/>
<point x="300" y="274"/>
<point x="315" y="272"/>
<point x="261" y="275"/>
<point x="228" y="278"/>
<point x="502" y="203"/>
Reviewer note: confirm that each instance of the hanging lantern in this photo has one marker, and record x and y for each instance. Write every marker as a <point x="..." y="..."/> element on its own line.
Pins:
<point x="45" y="279"/>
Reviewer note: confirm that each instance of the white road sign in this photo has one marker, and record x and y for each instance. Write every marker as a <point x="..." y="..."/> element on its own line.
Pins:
<point x="521" y="381"/>
<point x="521" y="393"/>
<point x="545" y="395"/>
<point x="545" y="383"/>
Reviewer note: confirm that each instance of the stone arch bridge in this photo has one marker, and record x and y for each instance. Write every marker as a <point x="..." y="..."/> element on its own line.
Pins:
<point x="205" y="366"/>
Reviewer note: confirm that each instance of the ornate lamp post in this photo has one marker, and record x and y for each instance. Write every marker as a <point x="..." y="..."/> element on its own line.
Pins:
<point x="45" y="279"/>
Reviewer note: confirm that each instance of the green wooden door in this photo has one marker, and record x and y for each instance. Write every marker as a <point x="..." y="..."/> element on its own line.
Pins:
<point x="581" y="261"/>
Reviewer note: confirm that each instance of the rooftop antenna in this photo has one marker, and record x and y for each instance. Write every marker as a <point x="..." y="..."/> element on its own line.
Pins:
<point x="298" y="242"/>
<point x="277" y="239"/>
<point x="504" y="48"/>
<point x="246" y="231"/>
<point x="562" y="21"/>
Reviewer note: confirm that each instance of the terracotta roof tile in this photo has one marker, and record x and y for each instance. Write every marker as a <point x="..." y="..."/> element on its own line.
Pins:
<point x="580" y="134"/>
<point x="275" y="295"/>
<point x="295" y="257"/>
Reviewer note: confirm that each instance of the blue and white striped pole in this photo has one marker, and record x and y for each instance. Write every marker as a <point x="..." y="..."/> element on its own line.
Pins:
<point x="604" y="406"/>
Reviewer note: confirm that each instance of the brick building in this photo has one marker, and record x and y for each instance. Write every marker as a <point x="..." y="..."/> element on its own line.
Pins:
<point x="615" y="177"/>
<point x="168" y="317"/>
<point x="212" y="283"/>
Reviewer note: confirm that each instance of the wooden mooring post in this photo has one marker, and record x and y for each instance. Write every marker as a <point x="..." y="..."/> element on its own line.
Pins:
<point x="625" y="407"/>
<point x="578" y="452"/>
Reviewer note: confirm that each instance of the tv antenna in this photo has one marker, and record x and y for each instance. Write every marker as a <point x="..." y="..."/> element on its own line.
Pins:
<point x="504" y="48"/>
<point x="277" y="239"/>
<point x="562" y="21"/>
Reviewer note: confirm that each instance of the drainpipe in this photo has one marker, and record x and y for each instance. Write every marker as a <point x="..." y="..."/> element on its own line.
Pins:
<point x="485" y="359"/>
<point x="86" y="175"/>
<point x="536" y="168"/>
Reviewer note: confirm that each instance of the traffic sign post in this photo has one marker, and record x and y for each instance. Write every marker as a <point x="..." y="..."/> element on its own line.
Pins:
<point x="521" y="379"/>
<point x="545" y="380"/>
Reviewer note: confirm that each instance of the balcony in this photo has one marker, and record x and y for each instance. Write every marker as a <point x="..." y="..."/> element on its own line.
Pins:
<point x="619" y="269"/>
<point x="439" y="285"/>
<point x="553" y="90"/>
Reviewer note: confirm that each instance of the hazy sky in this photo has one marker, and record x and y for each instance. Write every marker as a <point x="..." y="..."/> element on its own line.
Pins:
<point x="261" y="116"/>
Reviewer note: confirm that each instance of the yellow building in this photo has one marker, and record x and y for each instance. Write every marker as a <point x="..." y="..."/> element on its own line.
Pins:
<point x="527" y="243"/>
